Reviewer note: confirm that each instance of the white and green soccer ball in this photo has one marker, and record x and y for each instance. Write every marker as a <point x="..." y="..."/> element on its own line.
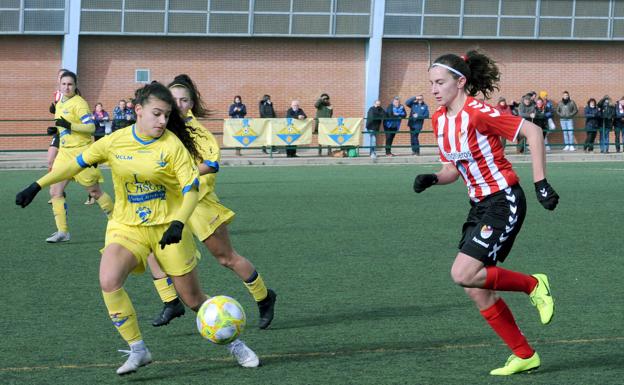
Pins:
<point x="221" y="319"/>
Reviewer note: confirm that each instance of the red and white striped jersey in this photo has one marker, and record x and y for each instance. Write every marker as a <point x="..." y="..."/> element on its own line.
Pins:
<point x="471" y="141"/>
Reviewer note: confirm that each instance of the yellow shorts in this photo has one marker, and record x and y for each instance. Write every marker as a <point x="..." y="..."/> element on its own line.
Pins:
<point x="87" y="177"/>
<point x="208" y="216"/>
<point x="176" y="259"/>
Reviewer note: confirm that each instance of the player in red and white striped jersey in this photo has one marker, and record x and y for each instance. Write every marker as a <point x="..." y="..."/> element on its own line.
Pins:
<point x="468" y="133"/>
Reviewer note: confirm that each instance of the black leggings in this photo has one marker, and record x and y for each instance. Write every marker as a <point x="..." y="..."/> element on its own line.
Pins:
<point x="390" y="134"/>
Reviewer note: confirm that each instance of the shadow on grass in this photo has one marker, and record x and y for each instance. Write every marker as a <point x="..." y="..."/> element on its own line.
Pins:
<point x="376" y="313"/>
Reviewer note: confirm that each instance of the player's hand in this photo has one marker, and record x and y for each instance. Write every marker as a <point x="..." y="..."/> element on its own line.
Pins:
<point x="53" y="108"/>
<point x="424" y="181"/>
<point x="24" y="197"/>
<point x="172" y="235"/>
<point x="546" y="195"/>
<point x="63" y="123"/>
<point x="52" y="130"/>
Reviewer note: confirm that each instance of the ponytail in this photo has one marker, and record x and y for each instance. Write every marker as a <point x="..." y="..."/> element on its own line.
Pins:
<point x="481" y="73"/>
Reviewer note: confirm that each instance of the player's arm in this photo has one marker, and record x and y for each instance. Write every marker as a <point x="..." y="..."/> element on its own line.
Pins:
<point x="447" y="174"/>
<point x="208" y="167"/>
<point x="86" y="128"/>
<point x="546" y="195"/>
<point x="64" y="172"/>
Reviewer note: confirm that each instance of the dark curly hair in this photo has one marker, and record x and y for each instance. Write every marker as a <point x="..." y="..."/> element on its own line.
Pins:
<point x="175" y="124"/>
<point x="481" y="72"/>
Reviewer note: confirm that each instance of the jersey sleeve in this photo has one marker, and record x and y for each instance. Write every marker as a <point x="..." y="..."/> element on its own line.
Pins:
<point x="82" y="114"/>
<point x="491" y="122"/>
<point x="96" y="153"/>
<point x="434" y="125"/>
<point x="184" y="169"/>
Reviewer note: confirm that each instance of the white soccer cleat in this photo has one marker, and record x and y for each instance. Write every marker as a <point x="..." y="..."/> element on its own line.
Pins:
<point x="243" y="354"/>
<point x="138" y="356"/>
<point x="58" y="236"/>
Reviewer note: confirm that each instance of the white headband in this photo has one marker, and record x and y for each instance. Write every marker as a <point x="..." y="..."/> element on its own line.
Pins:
<point x="449" y="68"/>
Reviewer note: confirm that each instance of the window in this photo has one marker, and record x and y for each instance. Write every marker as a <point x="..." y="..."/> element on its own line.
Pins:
<point x="142" y="76"/>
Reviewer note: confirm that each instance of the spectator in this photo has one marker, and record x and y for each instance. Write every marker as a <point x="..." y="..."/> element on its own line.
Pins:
<point x="130" y="113"/>
<point x="374" y="118"/>
<point x="567" y="109"/>
<point x="526" y="110"/>
<point x="267" y="112"/>
<point x="100" y="117"/>
<point x="324" y="109"/>
<point x="394" y="113"/>
<point x="592" y="122"/>
<point x="504" y="109"/>
<point x="237" y="111"/>
<point x="419" y="112"/>
<point x="541" y="119"/>
<point x="607" y="114"/>
<point x="549" y="112"/>
<point x="619" y="123"/>
<point x="119" y="115"/>
<point x="294" y="112"/>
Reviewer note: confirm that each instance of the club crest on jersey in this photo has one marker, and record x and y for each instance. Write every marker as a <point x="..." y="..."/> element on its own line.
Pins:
<point x="162" y="162"/>
<point x="143" y="213"/>
<point x="486" y="231"/>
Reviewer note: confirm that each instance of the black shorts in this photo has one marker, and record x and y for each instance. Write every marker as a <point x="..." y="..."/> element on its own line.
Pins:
<point x="493" y="224"/>
<point x="55" y="141"/>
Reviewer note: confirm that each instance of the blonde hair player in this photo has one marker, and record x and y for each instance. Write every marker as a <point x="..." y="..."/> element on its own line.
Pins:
<point x="468" y="134"/>
<point x="156" y="188"/>
<point x="210" y="219"/>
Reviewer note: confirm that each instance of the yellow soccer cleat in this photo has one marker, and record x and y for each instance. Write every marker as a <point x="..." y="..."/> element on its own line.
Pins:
<point x="516" y="364"/>
<point x="542" y="299"/>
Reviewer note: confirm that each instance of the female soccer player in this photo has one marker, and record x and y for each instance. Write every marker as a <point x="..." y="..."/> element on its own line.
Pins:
<point x="156" y="189"/>
<point x="209" y="220"/>
<point x="75" y="126"/>
<point x="468" y="133"/>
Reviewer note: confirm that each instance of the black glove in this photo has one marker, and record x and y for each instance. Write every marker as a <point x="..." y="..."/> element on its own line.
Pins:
<point x="24" y="197"/>
<point x="53" y="108"/>
<point x="62" y="123"/>
<point x="52" y="130"/>
<point x="172" y="235"/>
<point x="546" y="195"/>
<point x="424" y="181"/>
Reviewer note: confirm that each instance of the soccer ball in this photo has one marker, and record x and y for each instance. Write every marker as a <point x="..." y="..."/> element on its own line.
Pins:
<point x="221" y="319"/>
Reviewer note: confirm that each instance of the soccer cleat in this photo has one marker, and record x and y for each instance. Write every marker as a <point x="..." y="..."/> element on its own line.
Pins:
<point x="90" y="200"/>
<point x="267" y="309"/>
<point x="58" y="236"/>
<point x="243" y="354"/>
<point x="171" y="310"/>
<point x="516" y="364"/>
<point x="138" y="356"/>
<point x="542" y="299"/>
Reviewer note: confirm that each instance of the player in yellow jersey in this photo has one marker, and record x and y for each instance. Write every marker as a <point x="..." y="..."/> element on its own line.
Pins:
<point x="210" y="219"/>
<point x="75" y="127"/>
<point x="156" y="190"/>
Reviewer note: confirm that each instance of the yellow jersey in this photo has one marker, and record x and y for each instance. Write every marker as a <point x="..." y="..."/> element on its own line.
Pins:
<point x="75" y="110"/>
<point x="209" y="150"/>
<point x="150" y="176"/>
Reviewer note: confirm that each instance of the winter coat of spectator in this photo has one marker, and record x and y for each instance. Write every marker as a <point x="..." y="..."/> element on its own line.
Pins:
<point x="592" y="122"/>
<point x="526" y="109"/>
<point x="100" y="118"/>
<point x="503" y="107"/>
<point x="374" y="118"/>
<point x="567" y="109"/>
<point x="237" y="109"/>
<point x="394" y="113"/>
<point x="607" y="114"/>
<point x="266" y="107"/>
<point x="618" y="123"/>
<point x="419" y="111"/>
<point x="540" y="117"/>
<point x="324" y="109"/>
<point x="122" y="116"/>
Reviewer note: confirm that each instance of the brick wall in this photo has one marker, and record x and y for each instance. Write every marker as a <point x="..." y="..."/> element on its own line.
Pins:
<point x="285" y="69"/>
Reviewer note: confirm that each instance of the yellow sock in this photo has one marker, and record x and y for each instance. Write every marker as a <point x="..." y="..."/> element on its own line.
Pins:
<point x="122" y="314"/>
<point x="165" y="288"/>
<point x="106" y="204"/>
<point x="256" y="287"/>
<point x="59" y="208"/>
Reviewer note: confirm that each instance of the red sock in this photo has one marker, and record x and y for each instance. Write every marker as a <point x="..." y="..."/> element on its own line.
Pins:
<point x="502" y="321"/>
<point x="498" y="278"/>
